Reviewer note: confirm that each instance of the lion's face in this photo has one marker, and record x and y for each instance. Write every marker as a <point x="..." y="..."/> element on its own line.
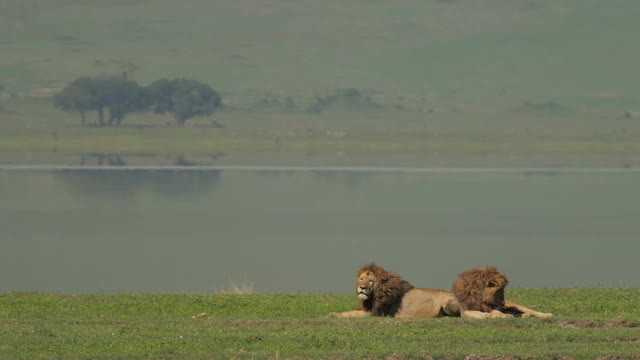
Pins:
<point x="365" y="282"/>
<point x="493" y="294"/>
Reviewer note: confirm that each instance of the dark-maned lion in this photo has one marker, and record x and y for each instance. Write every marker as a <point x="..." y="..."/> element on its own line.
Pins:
<point x="385" y="293"/>
<point x="480" y="293"/>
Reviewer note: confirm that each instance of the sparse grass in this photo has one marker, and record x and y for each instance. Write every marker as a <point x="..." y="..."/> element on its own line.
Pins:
<point x="589" y="323"/>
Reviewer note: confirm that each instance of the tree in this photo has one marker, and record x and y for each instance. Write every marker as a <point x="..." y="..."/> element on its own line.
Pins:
<point x="183" y="98"/>
<point x="120" y="97"/>
<point x="78" y="96"/>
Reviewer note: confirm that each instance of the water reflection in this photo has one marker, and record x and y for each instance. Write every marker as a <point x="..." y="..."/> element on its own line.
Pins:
<point x="121" y="160"/>
<point x="352" y="178"/>
<point x="307" y="230"/>
<point x="103" y="184"/>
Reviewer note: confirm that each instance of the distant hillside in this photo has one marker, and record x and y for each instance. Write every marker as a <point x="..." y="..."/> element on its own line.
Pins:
<point x="461" y="52"/>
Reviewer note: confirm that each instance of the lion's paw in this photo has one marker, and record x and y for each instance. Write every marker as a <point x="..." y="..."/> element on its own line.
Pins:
<point x="495" y="314"/>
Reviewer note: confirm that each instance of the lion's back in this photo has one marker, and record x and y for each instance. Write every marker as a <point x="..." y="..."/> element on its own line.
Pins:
<point x="428" y="303"/>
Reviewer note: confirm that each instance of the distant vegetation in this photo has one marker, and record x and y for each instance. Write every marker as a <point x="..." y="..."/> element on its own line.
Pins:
<point x="548" y="107"/>
<point x="351" y="99"/>
<point x="182" y="98"/>
<point x="275" y="102"/>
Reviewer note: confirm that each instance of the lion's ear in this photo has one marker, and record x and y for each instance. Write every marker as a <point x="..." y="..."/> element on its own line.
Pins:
<point x="492" y="284"/>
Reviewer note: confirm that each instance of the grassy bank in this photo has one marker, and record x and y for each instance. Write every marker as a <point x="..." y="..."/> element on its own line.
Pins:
<point x="589" y="323"/>
<point x="34" y="133"/>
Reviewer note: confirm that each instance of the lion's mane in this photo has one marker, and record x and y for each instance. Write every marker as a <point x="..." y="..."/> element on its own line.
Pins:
<point x="388" y="291"/>
<point x="482" y="289"/>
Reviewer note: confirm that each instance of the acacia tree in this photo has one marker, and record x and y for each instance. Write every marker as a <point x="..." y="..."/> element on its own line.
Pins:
<point x="78" y="96"/>
<point x="183" y="98"/>
<point x="120" y="97"/>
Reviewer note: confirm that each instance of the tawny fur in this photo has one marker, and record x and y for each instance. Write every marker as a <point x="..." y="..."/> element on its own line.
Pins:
<point x="387" y="292"/>
<point x="482" y="289"/>
<point x="477" y="293"/>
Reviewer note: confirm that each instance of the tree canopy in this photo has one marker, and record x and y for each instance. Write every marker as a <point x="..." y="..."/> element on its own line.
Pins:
<point x="183" y="98"/>
<point x="78" y="96"/>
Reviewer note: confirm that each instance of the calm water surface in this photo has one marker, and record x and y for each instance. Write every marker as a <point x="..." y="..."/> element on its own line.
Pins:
<point x="306" y="230"/>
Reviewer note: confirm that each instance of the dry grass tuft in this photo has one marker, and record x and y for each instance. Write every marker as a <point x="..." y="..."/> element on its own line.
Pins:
<point x="237" y="289"/>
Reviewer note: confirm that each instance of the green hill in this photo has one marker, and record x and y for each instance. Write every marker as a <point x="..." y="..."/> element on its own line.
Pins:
<point x="486" y="69"/>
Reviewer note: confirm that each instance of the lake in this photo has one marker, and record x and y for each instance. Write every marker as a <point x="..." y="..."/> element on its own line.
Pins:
<point x="290" y="230"/>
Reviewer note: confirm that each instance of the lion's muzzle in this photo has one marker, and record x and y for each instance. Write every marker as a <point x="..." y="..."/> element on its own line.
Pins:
<point x="363" y="292"/>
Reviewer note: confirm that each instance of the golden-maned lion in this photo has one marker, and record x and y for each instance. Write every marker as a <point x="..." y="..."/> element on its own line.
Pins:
<point x="480" y="293"/>
<point x="385" y="293"/>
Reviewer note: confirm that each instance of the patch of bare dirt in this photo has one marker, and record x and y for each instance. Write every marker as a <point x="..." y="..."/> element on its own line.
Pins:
<point x="487" y="357"/>
<point x="584" y="324"/>
<point x="632" y="341"/>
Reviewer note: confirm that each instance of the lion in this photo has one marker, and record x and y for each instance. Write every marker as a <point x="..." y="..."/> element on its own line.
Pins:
<point x="385" y="293"/>
<point x="480" y="293"/>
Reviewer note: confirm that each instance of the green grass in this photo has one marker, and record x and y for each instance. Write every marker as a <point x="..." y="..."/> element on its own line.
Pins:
<point x="589" y="323"/>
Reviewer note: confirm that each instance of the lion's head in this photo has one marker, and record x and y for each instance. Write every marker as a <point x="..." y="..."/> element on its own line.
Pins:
<point x="365" y="281"/>
<point x="481" y="289"/>
<point x="380" y="291"/>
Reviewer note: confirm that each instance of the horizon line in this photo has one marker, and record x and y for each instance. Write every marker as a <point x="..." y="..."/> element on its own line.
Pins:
<point x="452" y="169"/>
